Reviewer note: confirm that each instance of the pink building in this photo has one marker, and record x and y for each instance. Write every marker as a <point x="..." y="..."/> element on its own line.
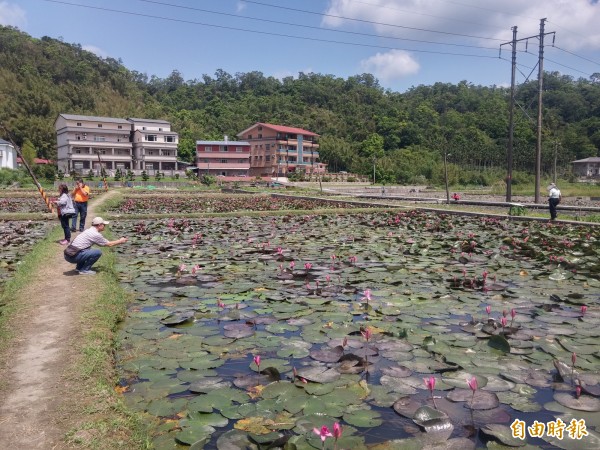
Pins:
<point x="277" y="150"/>
<point x="225" y="158"/>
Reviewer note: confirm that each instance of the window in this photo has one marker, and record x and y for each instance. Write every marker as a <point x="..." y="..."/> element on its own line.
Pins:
<point x="160" y="129"/>
<point x="143" y="128"/>
<point x="150" y="152"/>
<point x="99" y="125"/>
<point x="150" y="166"/>
<point x="169" y="138"/>
<point x="208" y="148"/>
<point x="268" y="158"/>
<point x="238" y="149"/>
<point x="78" y="124"/>
<point x="224" y="161"/>
<point x="249" y="136"/>
<point x="267" y="147"/>
<point x="223" y="148"/>
<point x="78" y="137"/>
<point x="78" y="165"/>
<point x="120" y="127"/>
<point x="99" y="139"/>
<point x="120" y="166"/>
<point x="260" y="136"/>
<point x="151" y="138"/>
<point x="242" y="161"/>
<point x="259" y="128"/>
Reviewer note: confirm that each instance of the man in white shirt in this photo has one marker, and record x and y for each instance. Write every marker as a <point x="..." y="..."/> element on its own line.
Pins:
<point x="80" y="251"/>
<point x="554" y="198"/>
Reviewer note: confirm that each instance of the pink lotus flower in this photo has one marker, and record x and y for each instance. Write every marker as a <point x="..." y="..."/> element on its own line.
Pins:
<point x="430" y="383"/>
<point x="573" y="357"/>
<point x="279" y="251"/>
<point x="353" y="259"/>
<point x="503" y="322"/>
<point x="488" y="310"/>
<point x="323" y="433"/>
<point x="337" y="431"/>
<point x="513" y="313"/>
<point x="577" y="391"/>
<point x="583" y="310"/>
<point x="328" y="278"/>
<point x="333" y="257"/>
<point x="307" y="266"/>
<point x="220" y="304"/>
<point x="182" y="267"/>
<point x="367" y="295"/>
<point x="366" y="334"/>
<point x="257" y="361"/>
<point x="345" y="341"/>
<point x="292" y="265"/>
<point x="472" y="384"/>
<point x="196" y="268"/>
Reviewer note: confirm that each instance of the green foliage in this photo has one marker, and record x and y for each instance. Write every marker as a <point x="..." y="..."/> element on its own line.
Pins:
<point x="158" y="176"/>
<point x="60" y="175"/>
<point x="190" y="175"/>
<point x="90" y="175"/>
<point x="118" y="175"/>
<point x="28" y="152"/>
<point x="517" y="210"/>
<point x="130" y="176"/>
<point x="208" y="180"/>
<point x="46" y="172"/>
<point x="145" y="176"/>
<point x="9" y="177"/>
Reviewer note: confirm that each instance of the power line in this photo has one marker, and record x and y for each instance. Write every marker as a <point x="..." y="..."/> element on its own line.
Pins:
<point x="576" y="55"/>
<point x="356" y="33"/>
<point x="372" y="22"/>
<point x="267" y="33"/>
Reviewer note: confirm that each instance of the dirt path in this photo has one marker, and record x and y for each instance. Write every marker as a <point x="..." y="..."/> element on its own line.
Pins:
<point x="37" y="377"/>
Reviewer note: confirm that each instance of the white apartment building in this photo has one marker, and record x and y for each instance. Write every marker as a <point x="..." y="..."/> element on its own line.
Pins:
<point x="87" y="143"/>
<point x="154" y="145"/>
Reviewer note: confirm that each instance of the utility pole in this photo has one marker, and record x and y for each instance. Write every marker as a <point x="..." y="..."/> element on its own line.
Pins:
<point x="511" y="119"/>
<point x="538" y="163"/>
<point x="538" y="148"/>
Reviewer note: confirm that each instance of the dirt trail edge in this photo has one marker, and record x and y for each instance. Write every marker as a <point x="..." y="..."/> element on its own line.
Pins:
<point x="40" y="357"/>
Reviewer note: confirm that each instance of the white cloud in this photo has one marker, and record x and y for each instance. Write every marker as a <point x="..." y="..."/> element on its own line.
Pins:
<point x="12" y="15"/>
<point x="575" y="21"/>
<point x="96" y="50"/>
<point x="392" y="65"/>
<point x="240" y="6"/>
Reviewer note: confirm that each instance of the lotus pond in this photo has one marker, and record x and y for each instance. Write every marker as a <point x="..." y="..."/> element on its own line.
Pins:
<point x="407" y="329"/>
<point x="220" y="204"/>
<point x="16" y="239"/>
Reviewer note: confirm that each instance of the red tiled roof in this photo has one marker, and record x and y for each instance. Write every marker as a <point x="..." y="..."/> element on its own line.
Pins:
<point x="36" y="160"/>
<point x="284" y="129"/>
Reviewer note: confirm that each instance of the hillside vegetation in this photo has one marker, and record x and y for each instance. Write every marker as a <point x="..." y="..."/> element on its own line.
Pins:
<point x="359" y="121"/>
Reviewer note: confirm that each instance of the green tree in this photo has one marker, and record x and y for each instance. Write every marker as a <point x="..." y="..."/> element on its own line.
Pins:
<point x="28" y="152"/>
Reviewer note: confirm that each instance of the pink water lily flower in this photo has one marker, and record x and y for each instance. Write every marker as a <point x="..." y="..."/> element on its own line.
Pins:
<point x="292" y="265"/>
<point x="367" y="294"/>
<point x="429" y="383"/>
<point x="488" y="310"/>
<point x="583" y="309"/>
<point x="366" y="334"/>
<point x="323" y="433"/>
<point x="257" y="361"/>
<point x="337" y="431"/>
<point x="472" y="384"/>
<point x="307" y="266"/>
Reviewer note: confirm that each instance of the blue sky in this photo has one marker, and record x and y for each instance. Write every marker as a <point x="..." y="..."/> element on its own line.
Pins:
<point x="403" y="43"/>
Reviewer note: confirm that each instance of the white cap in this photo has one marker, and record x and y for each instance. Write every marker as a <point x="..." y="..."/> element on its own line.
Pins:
<point x="99" y="221"/>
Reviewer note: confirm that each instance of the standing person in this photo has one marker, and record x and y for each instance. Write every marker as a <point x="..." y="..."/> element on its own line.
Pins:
<point x="81" y="195"/>
<point x="65" y="211"/>
<point x="554" y="199"/>
<point x="80" y="251"/>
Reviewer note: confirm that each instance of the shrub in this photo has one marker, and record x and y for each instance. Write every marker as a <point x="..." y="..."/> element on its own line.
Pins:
<point x="145" y="176"/>
<point x="325" y="179"/>
<point x="351" y="179"/>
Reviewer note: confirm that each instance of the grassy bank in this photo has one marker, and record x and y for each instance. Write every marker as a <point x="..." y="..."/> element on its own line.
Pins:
<point x="106" y="422"/>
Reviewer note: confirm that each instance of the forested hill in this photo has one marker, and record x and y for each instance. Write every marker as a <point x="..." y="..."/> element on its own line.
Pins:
<point x="356" y="118"/>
